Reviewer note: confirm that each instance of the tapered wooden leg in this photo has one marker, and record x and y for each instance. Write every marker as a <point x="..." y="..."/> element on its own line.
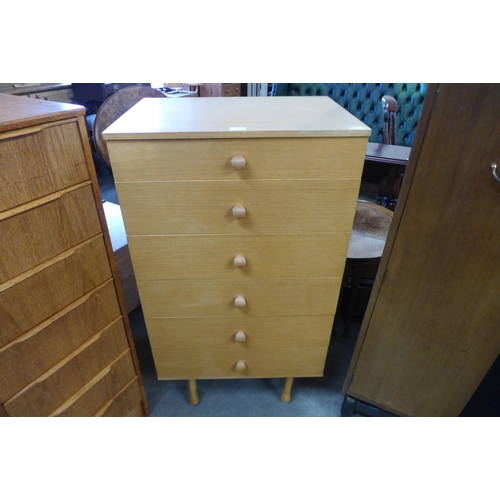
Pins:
<point x="193" y="393"/>
<point x="286" y="397"/>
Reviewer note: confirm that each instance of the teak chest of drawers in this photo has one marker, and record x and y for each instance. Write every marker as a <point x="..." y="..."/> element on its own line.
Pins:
<point x="65" y="342"/>
<point x="238" y="214"/>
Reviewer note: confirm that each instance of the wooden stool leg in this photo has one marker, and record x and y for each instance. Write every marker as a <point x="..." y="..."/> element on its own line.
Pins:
<point x="193" y="393"/>
<point x="286" y="397"/>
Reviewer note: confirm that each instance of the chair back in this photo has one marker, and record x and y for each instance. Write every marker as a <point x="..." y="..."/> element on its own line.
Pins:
<point x="114" y="107"/>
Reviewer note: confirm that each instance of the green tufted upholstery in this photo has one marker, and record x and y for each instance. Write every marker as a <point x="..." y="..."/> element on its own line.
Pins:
<point x="363" y="100"/>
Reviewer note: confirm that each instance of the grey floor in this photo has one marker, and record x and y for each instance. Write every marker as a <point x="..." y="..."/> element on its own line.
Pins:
<point x="311" y="397"/>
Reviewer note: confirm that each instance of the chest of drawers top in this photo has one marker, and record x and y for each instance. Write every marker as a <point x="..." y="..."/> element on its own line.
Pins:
<point x="19" y="112"/>
<point x="243" y="117"/>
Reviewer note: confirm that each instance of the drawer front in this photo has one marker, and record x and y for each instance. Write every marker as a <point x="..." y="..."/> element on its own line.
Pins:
<point x="103" y="388"/>
<point x="198" y="159"/>
<point x="41" y="233"/>
<point x="117" y="404"/>
<point x="264" y="297"/>
<point x="24" y="304"/>
<point x="213" y="256"/>
<point x="37" y="161"/>
<point x="221" y="363"/>
<point x="201" y="207"/>
<point x="127" y="403"/>
<point x="54" y="387"/>
<point x="51" y="341"/>
<point x="271" y="332"/>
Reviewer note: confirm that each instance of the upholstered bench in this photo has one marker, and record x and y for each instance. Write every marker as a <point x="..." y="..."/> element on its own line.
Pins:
<point x="364" y="100"/>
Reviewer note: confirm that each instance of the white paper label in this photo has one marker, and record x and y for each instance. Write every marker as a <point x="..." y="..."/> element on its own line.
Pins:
<point x="235" y="129"/>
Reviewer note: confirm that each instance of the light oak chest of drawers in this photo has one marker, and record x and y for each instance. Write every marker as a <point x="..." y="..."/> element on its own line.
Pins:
<point x="238" y="214"/>
<point x="65" y="342"/>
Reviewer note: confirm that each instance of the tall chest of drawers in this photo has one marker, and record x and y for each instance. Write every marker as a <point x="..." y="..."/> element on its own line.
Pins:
<point x="65" y="342"/>
<point x="238" y="214"/>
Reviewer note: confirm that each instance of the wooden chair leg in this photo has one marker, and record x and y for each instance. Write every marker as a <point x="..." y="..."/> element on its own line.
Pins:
<point x="193" y="393"/>
<point x="286" y="396"/>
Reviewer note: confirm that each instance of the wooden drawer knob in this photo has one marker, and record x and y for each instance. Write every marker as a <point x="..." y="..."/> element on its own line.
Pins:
<point x="238" y="161"/>
<point x="241" y="366"/>
<point x="240" y="261"/>
<point x="239" y="211"/>
<point x="240" y="336"/>
<point x="240" y="301"/>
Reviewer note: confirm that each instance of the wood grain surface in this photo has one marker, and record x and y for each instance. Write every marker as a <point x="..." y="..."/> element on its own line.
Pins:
<point x="53" y="339"/>
<point x="431" y="333"/>
<point x="30" y="299"/>
<point x="124" y="402"/>
<point x="221" y="363"/>
<point x="264" y="297"/>
<point x="102" y="389"/>
<point x="285" y="205"/>
<point x="113" y="107"/>
<point x="300" y="158"/>
<point x="62" y="316"/>
<point x="247" y="117"/>
<point x="212" y="256"/>
<point x="20" y="112"/>
<point x="219" y="333"/>
<point x="60" y="382"/>
<point x="26" y="175"/>
<point x="40" y="233"/>
<point x="205" y="207"/>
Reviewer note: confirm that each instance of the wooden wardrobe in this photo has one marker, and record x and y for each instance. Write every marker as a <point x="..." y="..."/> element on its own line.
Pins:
<point x="432" y="328"/>
<point x="65" y="342"/>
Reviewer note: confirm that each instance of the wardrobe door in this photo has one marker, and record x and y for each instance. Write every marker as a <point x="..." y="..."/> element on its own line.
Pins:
<point x="431" y="332"/>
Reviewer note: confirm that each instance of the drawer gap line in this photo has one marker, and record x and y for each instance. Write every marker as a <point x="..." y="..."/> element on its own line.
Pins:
<point x="35" y="129"/>
<point x="44" y="200"/>
<point x="87" y="386"/>
<point x="102" y="410"/>
<point x="63" y="361"/>
<point x="48" y="263"/>
<point x="36" y="329"/>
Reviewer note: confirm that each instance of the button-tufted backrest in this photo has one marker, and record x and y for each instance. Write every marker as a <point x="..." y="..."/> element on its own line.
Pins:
<point x="363" y="100"/>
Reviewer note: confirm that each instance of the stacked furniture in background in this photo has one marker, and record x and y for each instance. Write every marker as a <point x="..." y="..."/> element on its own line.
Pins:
<point x="220" y="90"/>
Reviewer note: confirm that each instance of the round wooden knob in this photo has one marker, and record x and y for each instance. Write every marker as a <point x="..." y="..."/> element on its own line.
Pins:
<point x="239" y="211"/>
<point x="241" y="366"/>
<point x="240" y="301"/>
<point x="240" y="261"/>
<point x="240" y="336"/>
<point x="238" y="161"/>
